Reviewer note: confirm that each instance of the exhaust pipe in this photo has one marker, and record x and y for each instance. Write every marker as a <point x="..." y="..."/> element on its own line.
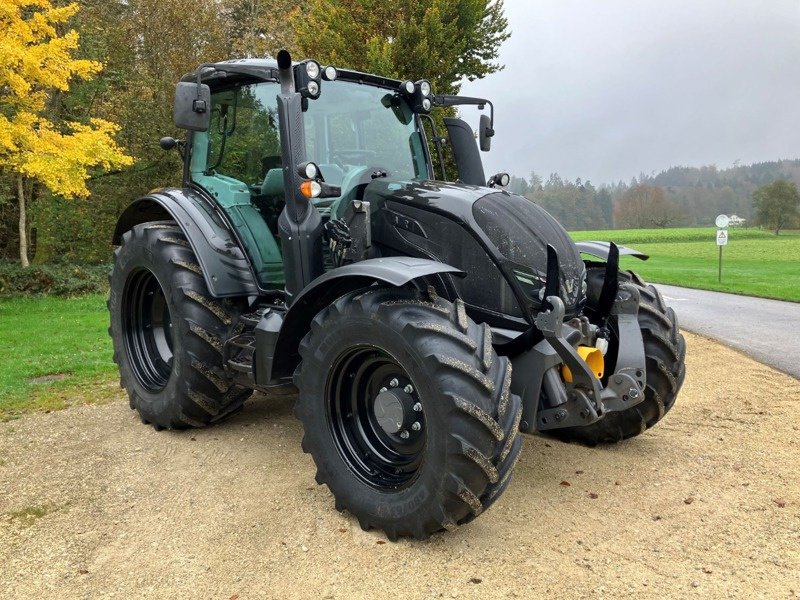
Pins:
<point x="299" y="224"/>
<point x="285" y="72"/>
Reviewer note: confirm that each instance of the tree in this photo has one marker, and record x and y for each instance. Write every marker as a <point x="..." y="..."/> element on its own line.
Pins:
<point x="440" y="40"/>
<point x="574" y="205"/>
<point x="518" y="185"/>
<point x="777" y="205"/>
<point x="37" y="63"/>
<point x="258" y="28"/>
<point x="606" y="205"/>
<point x="644" y="206"/>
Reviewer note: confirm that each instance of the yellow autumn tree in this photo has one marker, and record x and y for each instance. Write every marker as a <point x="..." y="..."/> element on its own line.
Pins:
<point x="37" y="61"/>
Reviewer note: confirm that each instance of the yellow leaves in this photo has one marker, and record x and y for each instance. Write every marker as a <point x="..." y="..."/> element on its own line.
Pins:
<point x="33" y="56"/>
<point x="35" y="61"/>
<point x="61" y="161"/>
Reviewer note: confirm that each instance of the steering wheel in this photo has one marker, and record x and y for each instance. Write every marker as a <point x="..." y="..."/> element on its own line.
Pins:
<point x="339" y="156"/>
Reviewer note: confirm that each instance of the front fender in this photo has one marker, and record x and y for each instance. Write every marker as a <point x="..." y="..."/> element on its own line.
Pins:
<point x="225" y="266"/>
<point x="395" y="271"/>
<point x="601" y="250"/>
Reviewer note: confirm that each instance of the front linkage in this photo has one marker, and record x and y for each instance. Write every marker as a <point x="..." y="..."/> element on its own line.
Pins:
<point x="580" y="399"/>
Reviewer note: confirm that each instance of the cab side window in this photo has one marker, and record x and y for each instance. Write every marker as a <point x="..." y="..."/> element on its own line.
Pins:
<point x="243" y="140"/>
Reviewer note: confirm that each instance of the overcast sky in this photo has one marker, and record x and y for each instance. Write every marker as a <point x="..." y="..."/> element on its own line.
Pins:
<point x="604" y="90"/>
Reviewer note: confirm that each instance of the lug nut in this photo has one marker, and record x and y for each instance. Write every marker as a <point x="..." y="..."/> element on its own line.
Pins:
<point x="417" y="407"/>
<point x="383" y="389"/>
<point x="416" y="426"/>
<point x="404" y="435"/>
<point x="409" y="390"/>
<point x="394" y="383"/>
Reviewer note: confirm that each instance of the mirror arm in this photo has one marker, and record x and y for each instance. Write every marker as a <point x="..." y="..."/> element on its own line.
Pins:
<point x="451" y="100"/>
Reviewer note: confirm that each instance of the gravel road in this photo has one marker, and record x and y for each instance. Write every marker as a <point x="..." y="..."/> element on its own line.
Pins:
<point x="707" y="505"/>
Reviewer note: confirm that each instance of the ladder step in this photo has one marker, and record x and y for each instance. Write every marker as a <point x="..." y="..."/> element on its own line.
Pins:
<point x="246" y="341"/>
<point x="252" y="319"/>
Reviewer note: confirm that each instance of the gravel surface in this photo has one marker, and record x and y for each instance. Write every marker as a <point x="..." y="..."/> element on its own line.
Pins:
<point x="95" y="505"/>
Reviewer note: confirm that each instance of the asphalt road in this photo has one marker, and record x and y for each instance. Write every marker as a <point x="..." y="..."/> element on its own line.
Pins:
<point x="765" y="329"/>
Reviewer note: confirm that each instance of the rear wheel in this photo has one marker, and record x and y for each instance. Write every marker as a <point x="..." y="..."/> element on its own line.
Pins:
<point x="168" y="332"/>
<point x="665" y="351"/>
<point x="407" y="411"/>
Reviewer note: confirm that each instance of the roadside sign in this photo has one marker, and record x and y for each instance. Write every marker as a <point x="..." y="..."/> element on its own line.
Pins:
<point x="722" y="221"/>
<point x="722" y="240"/>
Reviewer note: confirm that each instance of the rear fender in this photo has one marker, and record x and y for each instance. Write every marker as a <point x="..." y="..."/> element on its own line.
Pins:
<point x="225" y="266"/>
<point x="397" y="271"/>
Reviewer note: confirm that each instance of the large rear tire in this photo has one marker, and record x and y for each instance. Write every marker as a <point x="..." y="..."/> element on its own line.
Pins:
<point x="449" y="450"/>
<point x="168" y="332"/>
<point x="665" y="352"/>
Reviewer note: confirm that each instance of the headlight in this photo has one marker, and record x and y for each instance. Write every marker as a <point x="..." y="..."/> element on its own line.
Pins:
<point x="330" y="74"/>
<point x="425" y="88"/>
<point x="312" y="69"/>
<point x="426" y="104"/>
<point x="407" y="87"/>
<point x="311" y="171"/>
<point x="313" y="88"/>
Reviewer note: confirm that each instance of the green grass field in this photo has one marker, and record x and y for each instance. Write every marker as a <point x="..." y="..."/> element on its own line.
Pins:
<point x="54" y="352"/>
<point x="755" y="263"/>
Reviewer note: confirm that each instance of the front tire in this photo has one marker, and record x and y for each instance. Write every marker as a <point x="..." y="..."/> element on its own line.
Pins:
<point x="168" y="332"/>
<point x="449" y="449"/>
<point x="665" y="353"/>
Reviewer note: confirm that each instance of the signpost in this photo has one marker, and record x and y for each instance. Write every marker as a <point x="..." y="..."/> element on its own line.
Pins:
<point x="722" y="239"/>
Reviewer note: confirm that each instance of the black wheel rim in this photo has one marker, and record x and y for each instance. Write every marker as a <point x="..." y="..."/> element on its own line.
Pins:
<point x="382" y="460"/>
<point x="147" y="327"/>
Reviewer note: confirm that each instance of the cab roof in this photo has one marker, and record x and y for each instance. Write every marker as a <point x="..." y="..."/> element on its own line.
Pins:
<point x="242" y="70"/>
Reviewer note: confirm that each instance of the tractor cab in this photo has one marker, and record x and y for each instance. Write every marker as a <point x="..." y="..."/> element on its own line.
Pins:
<point x="353" y="127"/>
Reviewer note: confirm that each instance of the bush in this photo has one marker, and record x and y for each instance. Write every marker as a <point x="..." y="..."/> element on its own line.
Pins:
<point x="59" y="279"/>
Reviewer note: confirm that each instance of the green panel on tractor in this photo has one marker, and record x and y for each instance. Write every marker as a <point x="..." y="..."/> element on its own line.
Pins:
<point x="235" y="198"/>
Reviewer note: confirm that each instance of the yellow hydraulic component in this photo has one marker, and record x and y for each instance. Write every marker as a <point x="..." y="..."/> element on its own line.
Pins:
<point x="592" y="357"/>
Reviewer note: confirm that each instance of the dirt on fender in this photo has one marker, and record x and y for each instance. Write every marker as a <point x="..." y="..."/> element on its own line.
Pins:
<point x="93" y="504"/>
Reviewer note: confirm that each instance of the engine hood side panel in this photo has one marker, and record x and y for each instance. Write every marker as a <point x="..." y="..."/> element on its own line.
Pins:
<point x="513" y="231"/>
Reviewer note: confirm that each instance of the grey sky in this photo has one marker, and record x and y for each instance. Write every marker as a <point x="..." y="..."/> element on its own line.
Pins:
<point x="606" y="89"/>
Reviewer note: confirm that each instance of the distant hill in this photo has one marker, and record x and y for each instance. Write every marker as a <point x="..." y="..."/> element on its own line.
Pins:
<point x="702" y="193"/>
<point x="697" y="194"/>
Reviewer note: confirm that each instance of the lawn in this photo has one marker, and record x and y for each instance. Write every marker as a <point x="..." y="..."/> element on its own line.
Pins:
<point x="755" y="263"/>
<point x="54" y="352"/>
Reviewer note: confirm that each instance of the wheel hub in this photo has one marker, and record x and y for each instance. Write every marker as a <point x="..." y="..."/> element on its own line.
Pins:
<point x="394" y="410"/>
<point x="376" y="417"/>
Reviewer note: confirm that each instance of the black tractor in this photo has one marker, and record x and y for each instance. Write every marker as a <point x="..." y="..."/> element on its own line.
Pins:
<point x="329" y="239"/>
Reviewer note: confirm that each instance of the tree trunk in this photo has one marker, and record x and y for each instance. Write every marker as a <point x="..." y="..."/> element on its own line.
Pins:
<point x="23" y="225"/>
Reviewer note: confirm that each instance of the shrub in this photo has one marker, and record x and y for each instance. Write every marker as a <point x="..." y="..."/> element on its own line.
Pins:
<point x="59" y="279"/>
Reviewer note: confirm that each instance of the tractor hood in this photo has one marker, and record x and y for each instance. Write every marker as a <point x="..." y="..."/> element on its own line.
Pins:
<point x="453" y="222"/>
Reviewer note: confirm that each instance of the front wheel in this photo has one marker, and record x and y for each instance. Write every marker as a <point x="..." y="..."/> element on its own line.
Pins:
<point x="407" y="411"/>
<point x="665" y="352"/>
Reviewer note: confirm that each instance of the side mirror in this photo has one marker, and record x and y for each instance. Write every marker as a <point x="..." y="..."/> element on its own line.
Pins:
<point x="485" y="133"/>
<point x="192" y="106"/>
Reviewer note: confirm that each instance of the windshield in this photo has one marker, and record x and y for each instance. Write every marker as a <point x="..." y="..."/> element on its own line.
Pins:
<point x="354" y="127"/>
